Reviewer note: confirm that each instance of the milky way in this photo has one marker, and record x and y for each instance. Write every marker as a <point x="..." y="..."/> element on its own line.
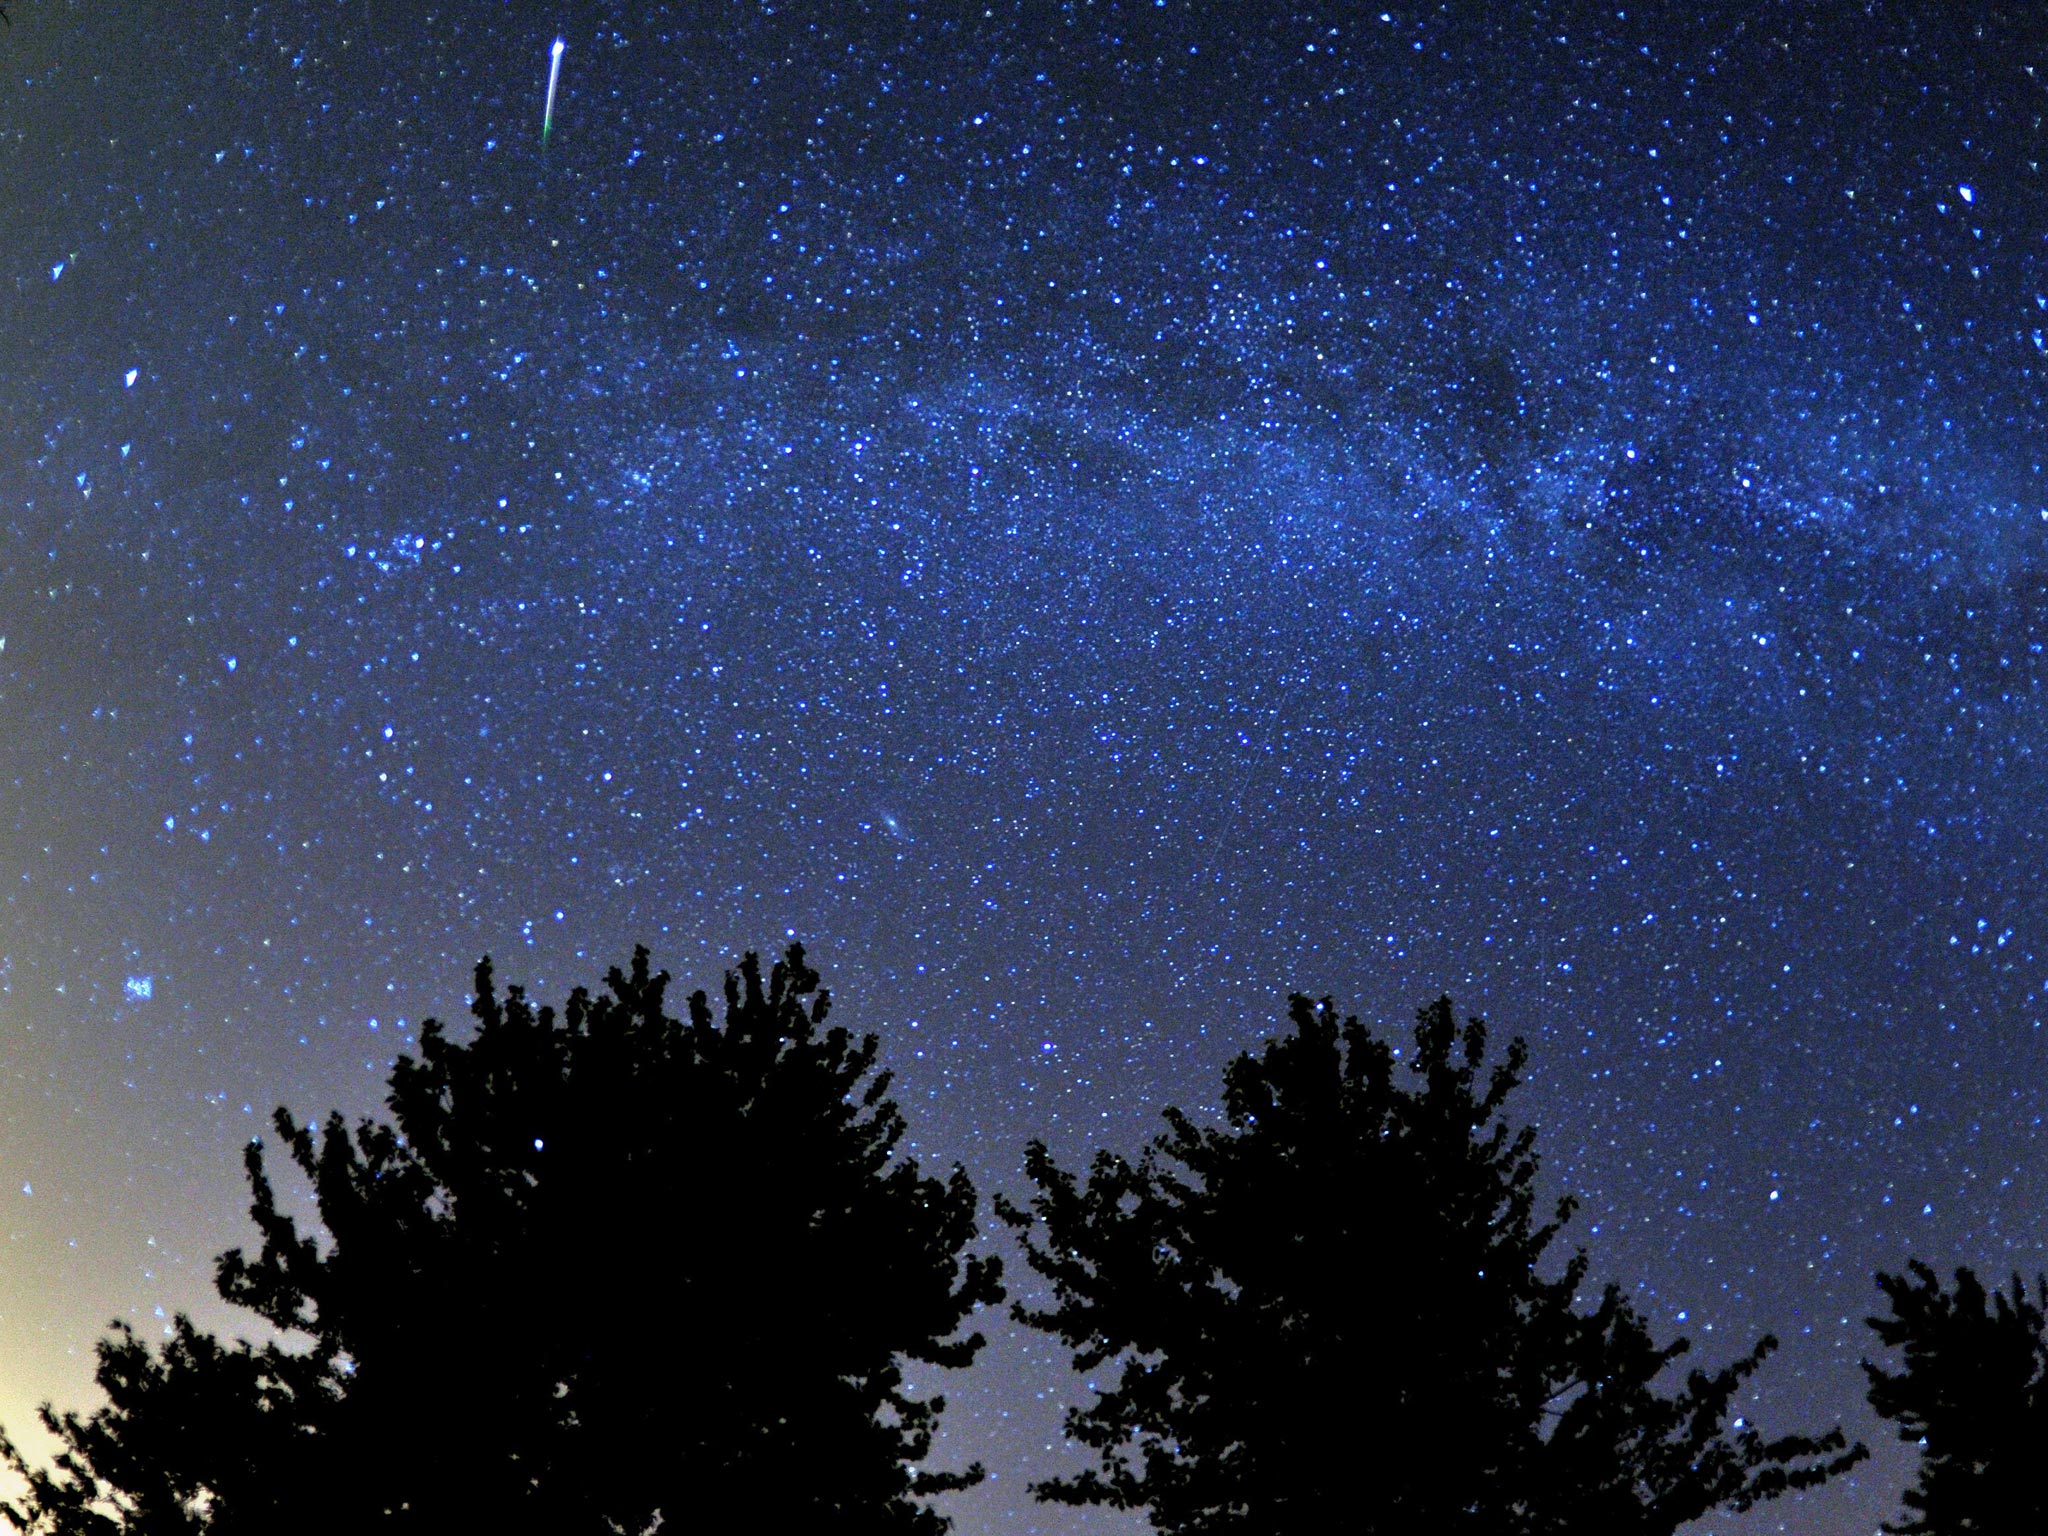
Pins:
<point x="1091" y="517"/>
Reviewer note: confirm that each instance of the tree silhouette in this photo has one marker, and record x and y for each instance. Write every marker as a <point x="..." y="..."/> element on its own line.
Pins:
<point x="601" y="1269"/>
<point x="1329" y="1315"/>
<point x="1973" y="1394"/>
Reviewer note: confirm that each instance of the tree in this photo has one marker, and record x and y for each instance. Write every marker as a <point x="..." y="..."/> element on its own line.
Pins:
<point x="1973" y="1395"/>
<point x="600" y="1270"/>
<point x="1330" y="1314"/>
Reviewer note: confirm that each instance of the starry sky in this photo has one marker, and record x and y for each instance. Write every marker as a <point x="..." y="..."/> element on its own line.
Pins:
<point x="1092" y="516"/>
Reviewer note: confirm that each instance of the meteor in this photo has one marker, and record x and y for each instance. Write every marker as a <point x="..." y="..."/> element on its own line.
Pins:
<point x="547" y="117"/>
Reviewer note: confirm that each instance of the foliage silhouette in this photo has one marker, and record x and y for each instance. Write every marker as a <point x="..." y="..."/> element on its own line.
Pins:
<point x="1973" y="1393"/>
<point x="1329" y="1315"/>
<point x="602" y="1268"/>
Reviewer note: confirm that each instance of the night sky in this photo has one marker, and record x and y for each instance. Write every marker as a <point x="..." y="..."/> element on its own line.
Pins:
<point x="1090" y="516"/>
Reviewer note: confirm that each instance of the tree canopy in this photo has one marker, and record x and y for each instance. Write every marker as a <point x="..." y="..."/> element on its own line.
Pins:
<point x="1332" y="1313"/>
<point x="600" y="1269"/>
<point x="1972" y="1392"/>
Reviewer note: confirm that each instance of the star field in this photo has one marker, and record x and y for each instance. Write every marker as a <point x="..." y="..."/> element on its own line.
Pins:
<point x="1090" y="516"/>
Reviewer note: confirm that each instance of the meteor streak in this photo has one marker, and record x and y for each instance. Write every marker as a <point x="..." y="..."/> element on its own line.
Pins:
<point x="547" y="117"/>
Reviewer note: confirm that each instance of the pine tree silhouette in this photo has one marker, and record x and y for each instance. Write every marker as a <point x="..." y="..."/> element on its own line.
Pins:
<point x="601" y="1268"/>
<point x="1973" y="1394"/>
<point x="1330" y="1315"/>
